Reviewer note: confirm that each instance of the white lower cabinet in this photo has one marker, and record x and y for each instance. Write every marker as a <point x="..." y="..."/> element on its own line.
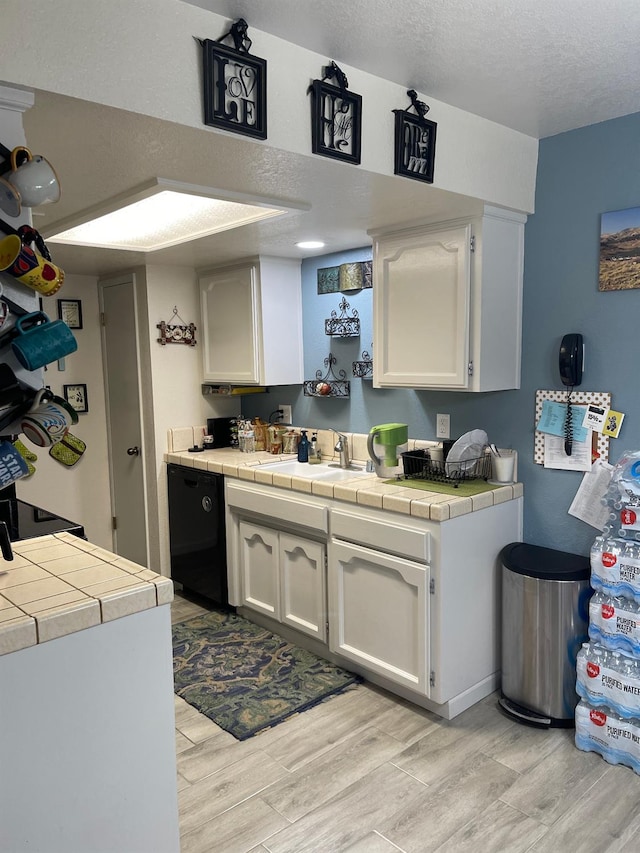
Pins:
<point x="283" y="576"/>
<point x="379" y="615"/>
<point x="411" y="604"/>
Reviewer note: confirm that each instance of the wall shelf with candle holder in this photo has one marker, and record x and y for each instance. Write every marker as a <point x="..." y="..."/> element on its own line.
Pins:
<point x="363" y="369"/>
<point x="328" y="385"/>
<point x="341" y="325"/>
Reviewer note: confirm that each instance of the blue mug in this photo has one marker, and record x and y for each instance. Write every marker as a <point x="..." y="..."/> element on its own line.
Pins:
<point x="37" y="340"/>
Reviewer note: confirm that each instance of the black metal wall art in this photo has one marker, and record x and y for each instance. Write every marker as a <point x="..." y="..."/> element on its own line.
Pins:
<point x="235" y="84"/>
<point x="415" y="141"/>
<point x="336" y="117"/>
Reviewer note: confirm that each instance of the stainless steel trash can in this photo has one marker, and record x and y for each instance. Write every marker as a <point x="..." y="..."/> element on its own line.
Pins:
<point x="545" y="617"/>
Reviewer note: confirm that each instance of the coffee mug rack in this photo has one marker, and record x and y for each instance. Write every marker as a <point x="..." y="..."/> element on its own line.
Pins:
<point x="328" y="385"/>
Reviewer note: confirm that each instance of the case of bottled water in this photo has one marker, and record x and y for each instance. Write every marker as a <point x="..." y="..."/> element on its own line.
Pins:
<point x="608" y="667"/>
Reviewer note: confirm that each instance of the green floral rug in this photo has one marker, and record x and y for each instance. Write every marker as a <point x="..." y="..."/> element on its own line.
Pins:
<point x="245" y="678"/>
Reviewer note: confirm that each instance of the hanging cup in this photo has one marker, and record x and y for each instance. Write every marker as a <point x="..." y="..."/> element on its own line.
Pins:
<point x="29" y="267"/>
<point x="37" y="340"/>
<point x="35" y="178"/>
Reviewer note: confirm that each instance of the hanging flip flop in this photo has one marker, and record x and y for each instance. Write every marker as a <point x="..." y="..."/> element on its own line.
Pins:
<point x="68" y="450"/>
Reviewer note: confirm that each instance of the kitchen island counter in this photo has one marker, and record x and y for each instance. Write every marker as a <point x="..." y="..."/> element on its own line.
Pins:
<point x="59" y="584"/>
<point x="87" y="706"/>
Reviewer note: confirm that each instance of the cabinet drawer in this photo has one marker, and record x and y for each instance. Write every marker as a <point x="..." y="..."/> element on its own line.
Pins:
<point x="292" y="510"/>
<point x="394" y="538"/>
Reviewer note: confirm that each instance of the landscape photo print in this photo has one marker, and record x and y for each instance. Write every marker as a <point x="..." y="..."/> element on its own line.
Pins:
<point x="620" y="250"/>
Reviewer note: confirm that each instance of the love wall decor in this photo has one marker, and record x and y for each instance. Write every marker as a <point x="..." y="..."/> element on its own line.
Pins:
<point x="235" y="84"/>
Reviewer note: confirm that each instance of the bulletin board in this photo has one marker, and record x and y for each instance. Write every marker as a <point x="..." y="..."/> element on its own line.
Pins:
<point x="578" y="398"/>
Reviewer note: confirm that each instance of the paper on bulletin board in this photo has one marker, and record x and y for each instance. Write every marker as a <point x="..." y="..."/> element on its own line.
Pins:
<point x="555" y="457"/>
<point x="587" y="504"/>
<point x="600" y="446"/>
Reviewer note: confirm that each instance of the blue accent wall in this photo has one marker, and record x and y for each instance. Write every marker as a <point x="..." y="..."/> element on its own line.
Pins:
<point x="581" y="174"/>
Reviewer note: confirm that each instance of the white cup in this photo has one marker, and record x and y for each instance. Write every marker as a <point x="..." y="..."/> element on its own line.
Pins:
<point x="35" y="179"/>
<point x="503" y="466"/>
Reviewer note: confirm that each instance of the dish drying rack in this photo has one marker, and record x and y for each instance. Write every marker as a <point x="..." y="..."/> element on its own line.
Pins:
<point x="418" y="465"/>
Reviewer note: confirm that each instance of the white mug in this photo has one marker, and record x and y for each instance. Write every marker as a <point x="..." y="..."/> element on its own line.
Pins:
<point x="48" y="420"/>
<point x="35" y="179"/>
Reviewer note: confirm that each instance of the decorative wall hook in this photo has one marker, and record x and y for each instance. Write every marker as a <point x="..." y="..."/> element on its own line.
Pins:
<point x="343" y="326"/>
<point x="328" y="385"/>
<point x="238" y="33"/>
<point x="172" y="333"/>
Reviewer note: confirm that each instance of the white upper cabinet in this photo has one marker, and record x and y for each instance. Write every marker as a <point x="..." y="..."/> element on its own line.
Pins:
<point x="448" y="304"/>
<point x="252" y="323"/>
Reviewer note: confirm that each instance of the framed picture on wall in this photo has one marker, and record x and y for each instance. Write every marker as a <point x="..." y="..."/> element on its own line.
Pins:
<point x="620" y="250"/>
<point x="70" y="312"/>
<point x="76" y="396"/>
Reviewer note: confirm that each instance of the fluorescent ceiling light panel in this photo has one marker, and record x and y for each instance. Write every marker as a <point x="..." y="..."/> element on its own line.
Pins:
<point x="162" y="217"/>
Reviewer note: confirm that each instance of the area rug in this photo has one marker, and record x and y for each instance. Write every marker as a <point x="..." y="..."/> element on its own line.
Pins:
<point x="245" y="678"/>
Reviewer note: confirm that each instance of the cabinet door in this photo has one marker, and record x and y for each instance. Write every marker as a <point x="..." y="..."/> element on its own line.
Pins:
<point x="421" y="308"/>
<point x="303" y="586"/>
<point x="259" y="567"/>
<point x="229" y="334"/>
<point x="378" y="613"/>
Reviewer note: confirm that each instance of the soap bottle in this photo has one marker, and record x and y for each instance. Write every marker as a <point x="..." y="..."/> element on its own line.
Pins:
<point x="314" y="450"/>
<point x="303" y="447"/>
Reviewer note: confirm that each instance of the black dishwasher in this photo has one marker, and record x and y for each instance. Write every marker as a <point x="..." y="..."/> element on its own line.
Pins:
<point x="197" y="531"/>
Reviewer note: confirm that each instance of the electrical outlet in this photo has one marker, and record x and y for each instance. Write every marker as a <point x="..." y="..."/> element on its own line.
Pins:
<point x="443" y="426"/>
<point x="286" y="417"/>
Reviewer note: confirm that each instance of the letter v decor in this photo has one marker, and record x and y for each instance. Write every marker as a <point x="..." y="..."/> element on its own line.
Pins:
<point x="235" y="84"/>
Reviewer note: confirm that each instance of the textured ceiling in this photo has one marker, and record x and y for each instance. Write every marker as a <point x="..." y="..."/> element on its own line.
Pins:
<point x="538" y="66"/>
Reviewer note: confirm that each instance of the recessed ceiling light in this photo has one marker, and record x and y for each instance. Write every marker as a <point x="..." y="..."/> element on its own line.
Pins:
<point x="310" y="244"/>
<point x="161" y="214"/>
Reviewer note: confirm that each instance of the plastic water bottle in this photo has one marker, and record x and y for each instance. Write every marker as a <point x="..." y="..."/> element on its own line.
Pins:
<point x="601" y="730"/>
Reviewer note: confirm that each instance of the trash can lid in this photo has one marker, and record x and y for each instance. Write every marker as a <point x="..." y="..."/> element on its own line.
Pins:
<point x="545" y="563"/>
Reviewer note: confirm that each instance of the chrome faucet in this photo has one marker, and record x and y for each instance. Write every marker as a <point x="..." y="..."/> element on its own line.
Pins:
<point x="342" y="448"/>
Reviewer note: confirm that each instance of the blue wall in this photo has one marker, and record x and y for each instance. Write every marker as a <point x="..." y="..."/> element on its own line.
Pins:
<point x="581" y="174"/>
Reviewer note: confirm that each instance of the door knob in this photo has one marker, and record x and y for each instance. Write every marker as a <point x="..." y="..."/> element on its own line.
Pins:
<point x="133" y="451"/>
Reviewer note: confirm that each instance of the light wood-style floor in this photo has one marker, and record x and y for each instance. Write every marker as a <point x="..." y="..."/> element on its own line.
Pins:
<point x="366" y="772"/>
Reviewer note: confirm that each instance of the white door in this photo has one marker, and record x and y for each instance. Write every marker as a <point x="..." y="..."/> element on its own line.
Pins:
<point x="124" y="422"/>
<point x="378" y="607"/>
<point x="303" y="587"/>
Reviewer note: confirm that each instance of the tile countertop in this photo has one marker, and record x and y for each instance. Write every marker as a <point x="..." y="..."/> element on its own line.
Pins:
<point x="60" y="584"/>
<point x="366" y="491"/>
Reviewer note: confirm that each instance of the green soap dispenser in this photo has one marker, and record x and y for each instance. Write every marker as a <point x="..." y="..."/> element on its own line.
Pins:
<point x="303" y="447"/>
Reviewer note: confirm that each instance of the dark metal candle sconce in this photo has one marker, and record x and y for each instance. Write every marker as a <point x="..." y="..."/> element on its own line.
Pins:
<point x="342" y="326"/>
<point x="363" y="369"/>
<point x="336" y="117"/>
<point x="415" y="141"/>
<point x="235" y="84"/>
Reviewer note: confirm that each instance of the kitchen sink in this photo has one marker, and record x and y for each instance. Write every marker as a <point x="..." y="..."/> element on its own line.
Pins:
<point x="325" y="471"/>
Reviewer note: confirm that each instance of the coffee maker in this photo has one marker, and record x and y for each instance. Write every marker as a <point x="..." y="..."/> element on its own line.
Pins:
<point x="386" y="443"/>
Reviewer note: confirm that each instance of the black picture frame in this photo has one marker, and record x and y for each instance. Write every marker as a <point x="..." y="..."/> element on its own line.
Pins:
<point x="70" y="311"/>
<point x="336" y="122"/>
<point x="235" y="90"/>
<point x="415" y="146"/>
<point x="76" y="396"/>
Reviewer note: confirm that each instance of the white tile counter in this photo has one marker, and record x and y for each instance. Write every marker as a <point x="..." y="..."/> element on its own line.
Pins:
<point x="364" y="490"/>
<point x="59" y="584"/>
